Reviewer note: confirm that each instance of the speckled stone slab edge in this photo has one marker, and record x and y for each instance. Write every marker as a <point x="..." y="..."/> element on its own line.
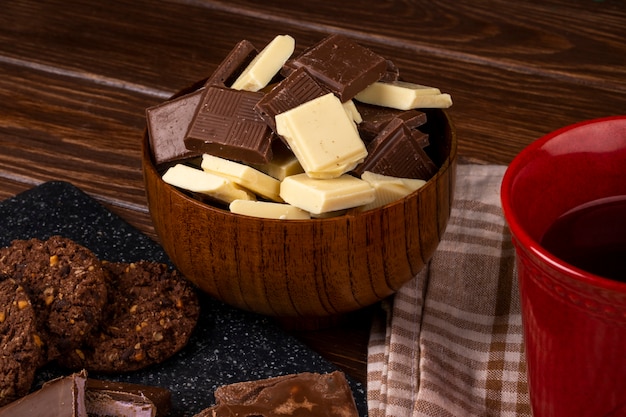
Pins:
<point x="228" y="345"/>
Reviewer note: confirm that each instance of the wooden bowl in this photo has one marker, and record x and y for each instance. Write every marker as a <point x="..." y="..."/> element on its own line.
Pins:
<point x="298" y="269"/>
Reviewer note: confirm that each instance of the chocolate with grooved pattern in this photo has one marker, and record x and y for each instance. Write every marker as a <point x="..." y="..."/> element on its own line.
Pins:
<point x="227" y="125"/>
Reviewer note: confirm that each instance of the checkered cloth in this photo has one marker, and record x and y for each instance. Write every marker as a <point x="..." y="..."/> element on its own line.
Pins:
<point x="449" y="343"/>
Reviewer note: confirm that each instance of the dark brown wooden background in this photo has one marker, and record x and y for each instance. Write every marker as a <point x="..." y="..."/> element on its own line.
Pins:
<point x="76" y="76"/>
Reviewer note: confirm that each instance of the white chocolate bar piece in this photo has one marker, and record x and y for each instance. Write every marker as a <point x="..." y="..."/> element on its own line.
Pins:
<point x="243" y="175"/>
<point x="404" y="96"/>
<point x="322" y="136"/>
<point x="265" y="64"/>
<point x="389" y="189"/>
<point x="324" y="195"/>
<point x="268" y="210"/>
<point x="283" y="164"/>
<point x="199" y="181"/>
<point x="353" y="112"/>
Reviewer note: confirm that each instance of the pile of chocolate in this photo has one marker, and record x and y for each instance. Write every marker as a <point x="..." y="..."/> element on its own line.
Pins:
<point x="273" y="135"/>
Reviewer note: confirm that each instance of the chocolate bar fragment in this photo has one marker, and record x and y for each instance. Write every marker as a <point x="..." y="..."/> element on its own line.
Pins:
<point x="227" y="125"/>
<point x="167" y="126"/>
<point x="104" y="398"/>
<point x="233" y="65"/>
<point x="77" y="396"/>
<point x="298" y="88"/>
<point x="342" y="65"/>
<point x="392" y="73"/>
<point x="61" y="397"/>
<point x="395" y="152"/>
<point x="375" y="118"/>
<point x="304" y="394"/>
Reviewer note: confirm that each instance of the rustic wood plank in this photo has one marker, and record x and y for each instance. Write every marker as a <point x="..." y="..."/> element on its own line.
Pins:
<point x="499" y="108"/>
<point x="58" y="128"/>
<point x="577" y="40"/>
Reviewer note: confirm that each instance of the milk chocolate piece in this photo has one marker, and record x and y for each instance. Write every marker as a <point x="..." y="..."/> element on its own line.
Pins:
<point x="298" y="88"/>
<point x="61" y="397"/>
<point x="396" y="153"/>
<point x="392" y="73"/>
<point x="226" y="125"/>
<point x="341" y="64"/>
<point x="109" y="398"/>
<point x="233" y="65"/>
<point x="305" y="394"/>
<point x="167" y="126"/>
<point x="375" y="118"/>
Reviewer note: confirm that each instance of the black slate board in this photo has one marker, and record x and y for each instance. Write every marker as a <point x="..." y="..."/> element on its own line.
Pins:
<point x="228" y="345"/>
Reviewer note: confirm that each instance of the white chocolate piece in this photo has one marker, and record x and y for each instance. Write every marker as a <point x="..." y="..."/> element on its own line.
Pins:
<point x="404" y="96"/>
<point x="268" y="210"/>
<point x="265" y="64"/>
<point x="322" y="136"/>
<point x="283" y="164"/>
<point x="199" y="181"/>
<point x="389" y="189"/>
<point x="353" y="112"/>
<point x="243" y="175"/>
<point x="321" y="196"/>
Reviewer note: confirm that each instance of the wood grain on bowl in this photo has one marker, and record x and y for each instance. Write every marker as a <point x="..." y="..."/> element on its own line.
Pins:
<point x="305" y="268"/>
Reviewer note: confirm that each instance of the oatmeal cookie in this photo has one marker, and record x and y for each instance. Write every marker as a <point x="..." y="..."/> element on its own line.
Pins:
<point x="20" y="344"/>
<point x="66" y="284"/>
<point x="151" y="313"/>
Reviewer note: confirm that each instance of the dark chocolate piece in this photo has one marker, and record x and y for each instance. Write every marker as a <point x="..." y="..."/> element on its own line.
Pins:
<point x="298" y="88"/>
<point x="233" y="65"/>
<point x="304" y="394"/>
<point x="392" y="73"/>
<point x="20" y="344"/>
<point x="396" y="153"/>
<point x="342" y="65"/>
<point x="61" y="397"/>
<point x="167" y="126"/>
<point x="375" y="118"/>
<point x="227" y="126"/>
<point x="100" y="393"/>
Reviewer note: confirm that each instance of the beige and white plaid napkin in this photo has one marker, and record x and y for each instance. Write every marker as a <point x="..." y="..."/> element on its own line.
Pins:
<point x="450" y="343"/>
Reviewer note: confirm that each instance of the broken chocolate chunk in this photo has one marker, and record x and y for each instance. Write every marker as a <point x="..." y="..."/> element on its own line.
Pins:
<point x="233" y="65"/>
<point x="298" y="88"/>
<point x="341" y="64"/>
<point x="396" y="153"/>
<point x="109" y="396"/>
<point x="61" y="397"/>
<point x="375" y="118"/>
<point x="304" y="394"/>
<point x="227" y="125"/>
<point x="167" y="126"/>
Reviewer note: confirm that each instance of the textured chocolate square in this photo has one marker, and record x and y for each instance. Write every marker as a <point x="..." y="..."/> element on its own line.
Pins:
<point x="396" y="153"/>
<point x="341" y="64"/>
<point x="227" y="125"/>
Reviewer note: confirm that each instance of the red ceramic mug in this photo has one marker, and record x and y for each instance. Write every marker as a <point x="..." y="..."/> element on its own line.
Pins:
<point x="574" y="320"/>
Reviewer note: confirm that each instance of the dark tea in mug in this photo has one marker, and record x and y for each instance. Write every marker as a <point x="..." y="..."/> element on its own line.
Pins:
<point x="592" y="237"/>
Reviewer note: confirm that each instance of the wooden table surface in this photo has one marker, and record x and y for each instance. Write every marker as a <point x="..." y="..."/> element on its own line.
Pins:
<point x="77" y="75"/>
